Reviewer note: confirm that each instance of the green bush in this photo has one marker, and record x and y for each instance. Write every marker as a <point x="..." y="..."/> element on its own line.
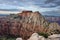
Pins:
<point x="44" y="34"/>
<point x="55" y="31"/>
<point x="5" y="38"/>
<point x="11" y="39"/>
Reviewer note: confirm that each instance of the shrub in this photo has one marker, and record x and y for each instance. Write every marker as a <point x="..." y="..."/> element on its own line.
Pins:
<point x="56" y="31"/>
<point x="44" y="34"/>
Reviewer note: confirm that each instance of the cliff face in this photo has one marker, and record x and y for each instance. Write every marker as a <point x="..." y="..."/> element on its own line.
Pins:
<point x="28" y="22"/>
<point x="32" y="20"/>
<point x="32" y="17"/>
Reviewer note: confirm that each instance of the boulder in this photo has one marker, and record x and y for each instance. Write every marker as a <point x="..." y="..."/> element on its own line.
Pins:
<point x="42" y="38"/>
<point x="35" y="36"/>
<point x="54" y="37"/>
<point x="18" y="38"/>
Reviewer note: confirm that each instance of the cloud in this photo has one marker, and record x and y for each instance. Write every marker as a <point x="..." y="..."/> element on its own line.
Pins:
<point x="56" y="2"/>
<point x="34" y="5"/>
<point x="4" y="6"/>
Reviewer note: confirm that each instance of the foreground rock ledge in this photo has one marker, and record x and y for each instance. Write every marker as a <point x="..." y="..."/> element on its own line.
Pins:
<point x="35" y="36"/>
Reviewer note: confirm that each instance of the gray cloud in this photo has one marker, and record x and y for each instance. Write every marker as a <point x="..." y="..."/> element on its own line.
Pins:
<point x="45" y="6"/>
<point x="40" y="3"/>
<point x="56" y="2"/>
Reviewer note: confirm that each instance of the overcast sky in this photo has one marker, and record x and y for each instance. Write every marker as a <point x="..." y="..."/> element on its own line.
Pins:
<point x="43" y="6"/>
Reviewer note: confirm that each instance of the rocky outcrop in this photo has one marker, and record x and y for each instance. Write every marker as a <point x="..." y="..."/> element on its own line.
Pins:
<point x="27" y="22"/>
<point x="54" y="28"/>
<point x="35" y="36"/>
<point x="31" y="20"/>
<point x="54" y="25"/>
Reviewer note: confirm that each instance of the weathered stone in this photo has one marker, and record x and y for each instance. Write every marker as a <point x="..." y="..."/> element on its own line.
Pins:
<point x="54" y="37"/>
<point x="35" y="36"/>
<point x="18" y="38"/>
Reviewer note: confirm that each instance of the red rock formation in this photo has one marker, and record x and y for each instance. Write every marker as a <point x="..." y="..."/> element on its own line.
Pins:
<point x="25" y="13"/>
<point x="29" y="23"/>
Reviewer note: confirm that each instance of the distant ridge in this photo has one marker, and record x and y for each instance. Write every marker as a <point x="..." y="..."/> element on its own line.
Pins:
<point x="50" y="16"/>
<point x="4" y="14"/>
<point x="9" y="10"/>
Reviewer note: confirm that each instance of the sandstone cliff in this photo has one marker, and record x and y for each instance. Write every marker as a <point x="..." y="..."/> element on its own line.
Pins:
<point x="29" y="22"/>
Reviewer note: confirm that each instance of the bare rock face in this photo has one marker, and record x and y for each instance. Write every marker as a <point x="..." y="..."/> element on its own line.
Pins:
<point x="32" y="20"/>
